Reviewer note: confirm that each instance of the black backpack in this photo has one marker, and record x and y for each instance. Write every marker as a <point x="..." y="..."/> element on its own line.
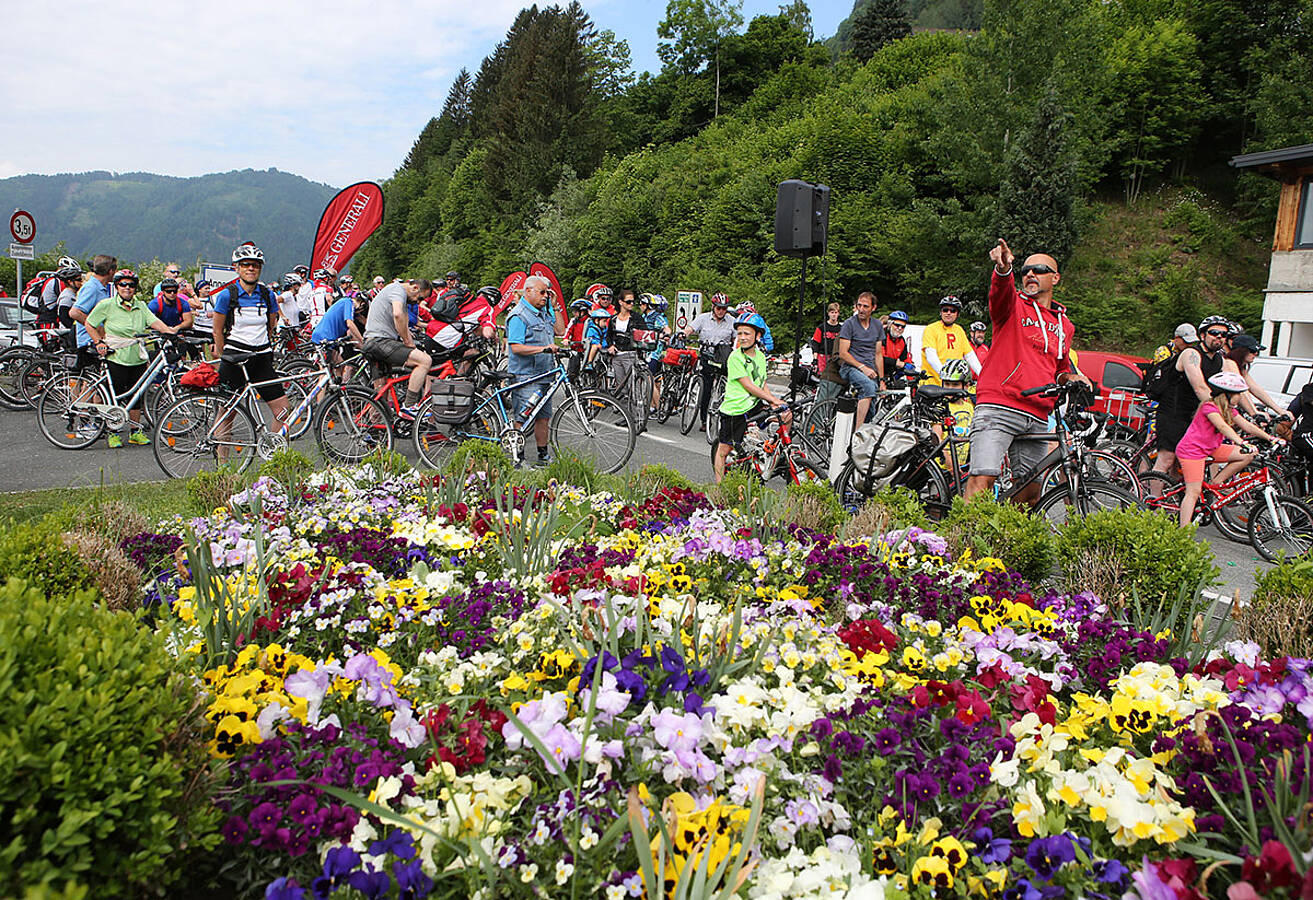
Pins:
<point x="266" y="301"/>
<point x="1157" y="376"/>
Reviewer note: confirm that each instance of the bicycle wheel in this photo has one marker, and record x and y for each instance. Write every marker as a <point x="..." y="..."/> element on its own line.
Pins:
<point x="1280" y="525"/>
<point x="672" y="391"/>
<point x="204" y="432"/>
<point x="713" y="411"/>
<point x="594" y="427"/>
<point x="435" y="441"/>
<point x="13" y="360"/>
<point x="804" y="470"/>
<point x="640" y="395"/>
<point x="1104" y="466"/>
<point x="33" y="378"/>
<point x="1058" y="505"/>
<point x="1161" y="492"/>
<point x="350" y="426"/>
<point x="818" y="428"/>
<point x="688" y="416"/>
<point x="60" y="422"/>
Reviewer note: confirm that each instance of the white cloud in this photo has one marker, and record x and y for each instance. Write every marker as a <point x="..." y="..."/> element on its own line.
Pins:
<point x="334" y="91"/>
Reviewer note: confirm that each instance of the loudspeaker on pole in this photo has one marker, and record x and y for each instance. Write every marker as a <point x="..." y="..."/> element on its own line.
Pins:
<point x="802" y="218"/>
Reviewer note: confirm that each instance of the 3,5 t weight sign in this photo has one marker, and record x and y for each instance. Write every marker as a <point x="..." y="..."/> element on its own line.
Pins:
<point x="22" y="226"/>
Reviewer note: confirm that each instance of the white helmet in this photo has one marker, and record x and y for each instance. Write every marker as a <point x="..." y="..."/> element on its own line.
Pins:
<point x="291" y="279"/>
<point x="955" y="370"/>
<point x="247" y="251"/>
<point x="68" y="262"/>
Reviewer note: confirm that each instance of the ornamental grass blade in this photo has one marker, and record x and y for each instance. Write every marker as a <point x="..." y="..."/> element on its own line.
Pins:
<point x="642" y="842"/>
<point x="738" y="875"/>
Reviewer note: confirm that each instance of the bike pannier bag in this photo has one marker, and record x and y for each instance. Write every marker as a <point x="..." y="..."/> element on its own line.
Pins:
<point x="877" y="449"/>
<point x="452" y="401"/>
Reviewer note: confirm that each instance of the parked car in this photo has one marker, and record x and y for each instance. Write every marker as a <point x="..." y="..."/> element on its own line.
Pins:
<point x="1282" y="377"/>
<point x="10" y="315"/>
<point x="1119" y="378"/>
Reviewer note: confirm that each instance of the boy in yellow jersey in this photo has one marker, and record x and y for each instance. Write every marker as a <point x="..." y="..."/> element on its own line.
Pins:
<point x="945" y="340"/>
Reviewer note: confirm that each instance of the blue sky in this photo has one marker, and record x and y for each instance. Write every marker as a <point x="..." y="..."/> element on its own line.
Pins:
<point x="334" y="90"/>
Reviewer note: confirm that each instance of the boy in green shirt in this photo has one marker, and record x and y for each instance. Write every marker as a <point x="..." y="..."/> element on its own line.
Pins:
<point x="746" y="394"/>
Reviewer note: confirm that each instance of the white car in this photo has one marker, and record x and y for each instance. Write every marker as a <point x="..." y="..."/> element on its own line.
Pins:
<point x="1282" y="377"/>
<point x="10" y="315"/>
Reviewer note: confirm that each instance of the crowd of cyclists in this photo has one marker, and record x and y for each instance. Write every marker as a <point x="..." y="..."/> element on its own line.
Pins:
<point x="1199" y="397"/>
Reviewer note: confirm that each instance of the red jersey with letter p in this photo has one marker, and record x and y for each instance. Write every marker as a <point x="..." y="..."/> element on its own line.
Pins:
<point x="1031" y="347"/>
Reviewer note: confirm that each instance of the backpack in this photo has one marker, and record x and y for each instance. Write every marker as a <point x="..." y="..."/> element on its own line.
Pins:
<point x="1156" y="377"/>
<point x="31" y="296"/>
<point x="266" y="300"/>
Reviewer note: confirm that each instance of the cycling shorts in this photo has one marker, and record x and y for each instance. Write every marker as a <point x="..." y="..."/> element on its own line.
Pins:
<point x="259" y="368"/>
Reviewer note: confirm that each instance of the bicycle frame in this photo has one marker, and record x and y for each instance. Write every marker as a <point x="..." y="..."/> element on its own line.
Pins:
<point x="145" y="380"/>
<point x="249" y="396"/>
<point x="1213" y="497"/>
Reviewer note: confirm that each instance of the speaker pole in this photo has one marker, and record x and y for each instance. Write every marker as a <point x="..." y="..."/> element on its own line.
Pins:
<point x="797" y="332"/>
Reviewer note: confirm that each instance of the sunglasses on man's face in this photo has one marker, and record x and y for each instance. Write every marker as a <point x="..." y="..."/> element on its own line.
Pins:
<point x="1039" y="269"/>
<point x="169" y="291"/>
<point x="1215" y="333"/>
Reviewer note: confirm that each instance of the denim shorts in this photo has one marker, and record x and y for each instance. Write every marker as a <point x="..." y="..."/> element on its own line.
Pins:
<point x="866" y="387"/>
<point x="992" y="432"/>
<point x="523" y="398"/>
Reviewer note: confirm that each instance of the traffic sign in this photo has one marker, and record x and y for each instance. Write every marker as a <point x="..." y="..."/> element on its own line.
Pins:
<point x="22" y="251"/>
<point x="687" y="306"/>
<point x="23" y="227"/>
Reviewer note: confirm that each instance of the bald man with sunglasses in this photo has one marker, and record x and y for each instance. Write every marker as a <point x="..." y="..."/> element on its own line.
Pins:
<point x="1032" y="348"/>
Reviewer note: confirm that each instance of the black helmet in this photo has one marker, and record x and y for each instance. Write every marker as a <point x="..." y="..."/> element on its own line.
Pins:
<point x="303" y="271"/>
<point x="490" y="293"/>
<point x="452" y="274"/>
<point x="169" y="284"/>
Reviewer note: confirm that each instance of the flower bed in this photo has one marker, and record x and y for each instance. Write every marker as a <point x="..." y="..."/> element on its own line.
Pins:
<point x="552" y="693"/>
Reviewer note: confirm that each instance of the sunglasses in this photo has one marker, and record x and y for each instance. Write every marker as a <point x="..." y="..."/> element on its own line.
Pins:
<point x="169" y="291"/>
<point x="1216" y="333"/>
<point x="944" y="309"/>
<point x="173" y="272"/>
<point x="1040" y="269"/>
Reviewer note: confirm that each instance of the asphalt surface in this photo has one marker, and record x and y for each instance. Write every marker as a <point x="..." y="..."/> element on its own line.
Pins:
<point x="29" y="462"/>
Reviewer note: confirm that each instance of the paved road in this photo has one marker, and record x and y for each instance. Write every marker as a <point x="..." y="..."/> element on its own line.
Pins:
<point x="29" y="462"/>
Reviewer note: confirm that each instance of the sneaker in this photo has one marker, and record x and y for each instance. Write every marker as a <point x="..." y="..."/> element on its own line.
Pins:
<point x="88" y="430"/>
<point x="115" y="441"/>
<point x="139" y="438"/>
<point x="544" y="460"/>
<point x="409" y="412"/>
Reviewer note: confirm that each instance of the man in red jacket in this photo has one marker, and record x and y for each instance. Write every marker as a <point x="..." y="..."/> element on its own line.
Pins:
<point x="1032" y="347"/>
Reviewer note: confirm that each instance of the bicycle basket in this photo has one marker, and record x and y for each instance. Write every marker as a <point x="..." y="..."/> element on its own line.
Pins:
<point x="877" y="449"/>
<point x="199" y="377"/>
<point x="452" y="402"/>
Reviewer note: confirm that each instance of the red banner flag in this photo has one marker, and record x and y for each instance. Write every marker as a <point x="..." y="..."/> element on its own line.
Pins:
<point x="545" y="271"/>
<point x="514" y="282"/>
<point x="348" y="220"/>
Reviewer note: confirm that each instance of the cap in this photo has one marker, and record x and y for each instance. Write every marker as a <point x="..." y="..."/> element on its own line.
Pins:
<point x="1230" y="382"/>
<point x="1247" y="342"/>
<point x="1186" y="332"/>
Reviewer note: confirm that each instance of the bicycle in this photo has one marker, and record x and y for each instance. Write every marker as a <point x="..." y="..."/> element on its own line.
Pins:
<point x="711" y="359"/>
<point x="1075" y="483"/>
<point x="1275" y="522"/>
<point x="75" y="409"/>
<point x="215" y="428"/>
<point x="24" y="370"/>
<point x="767" y="456"/>
<point x="589" y="424"/>
<point x="677" y="370"/>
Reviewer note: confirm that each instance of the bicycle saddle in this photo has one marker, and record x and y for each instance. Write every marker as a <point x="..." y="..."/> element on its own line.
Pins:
<point x="936" y="392"/>
<point x="238" y="357"/>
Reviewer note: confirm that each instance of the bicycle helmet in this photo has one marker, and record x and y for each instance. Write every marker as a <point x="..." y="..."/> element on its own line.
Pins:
<point x="68" y="262"/>
<point x="291" y="280"/>
<point x="659" y="302"/>
<point x="719" y="299"/>
<point x="1231" y="382"/>
<point x="246" y="252"/>
<point x="68" y="273"/>
<point x="899" y="316"/>
<point x="579" y="305"/>
<point x="950" y="301"/>
<point x="325" y="275"/>
<point x="754" y="320"/>
<point x="645" y="299"/>
<point x="123" y="276"/>
<point x="597" y="289"/>
<point x="1234" y="328"/>
<point x="452" y="274"/>
<point x="978" y="326"/>
<point x="600" y="313"/>
<point x="303" y="271"/>
<point x="489" y="293"/>
<point x="347" y="279"/>
<point x="169" y="284"/>
<point x="1215" y="320"/>
<point x="955" y="370"/>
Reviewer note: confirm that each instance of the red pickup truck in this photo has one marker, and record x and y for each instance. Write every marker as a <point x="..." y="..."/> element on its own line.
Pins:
<point x="1119" y="379"/>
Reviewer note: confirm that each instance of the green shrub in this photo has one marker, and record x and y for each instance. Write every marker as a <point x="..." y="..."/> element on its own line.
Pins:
<point x="387" y="463"/>
<point x="1280" y="617"/>
<point x="484" y="457"/>
<point x="989" y="528"/>
<point x="655" y="476"/>
<point x="813" y="505"/>
<point x="887" y="509"/>
<point x="210" y="490"/>
<point x="288" y="467"/>
<point x="36" y="552"/>
<point x="104" y="775"/>
<point x="1148" y="556"/>
<point x="745" y="493"/>
<point x="568" y="467"/>
<point x="112" y="518"/>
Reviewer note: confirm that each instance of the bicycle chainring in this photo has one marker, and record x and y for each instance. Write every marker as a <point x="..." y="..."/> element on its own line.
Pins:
<point x="270" y="443"/>
<point x="115" y="418"/>
<point x="512" y="441"/>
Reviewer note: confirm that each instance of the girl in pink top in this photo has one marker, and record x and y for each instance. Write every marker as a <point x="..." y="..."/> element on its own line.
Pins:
<point x="1203" y="440"/>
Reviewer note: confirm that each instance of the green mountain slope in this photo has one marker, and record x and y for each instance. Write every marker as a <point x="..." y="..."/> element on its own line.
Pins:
<point x="139" y="216"/>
